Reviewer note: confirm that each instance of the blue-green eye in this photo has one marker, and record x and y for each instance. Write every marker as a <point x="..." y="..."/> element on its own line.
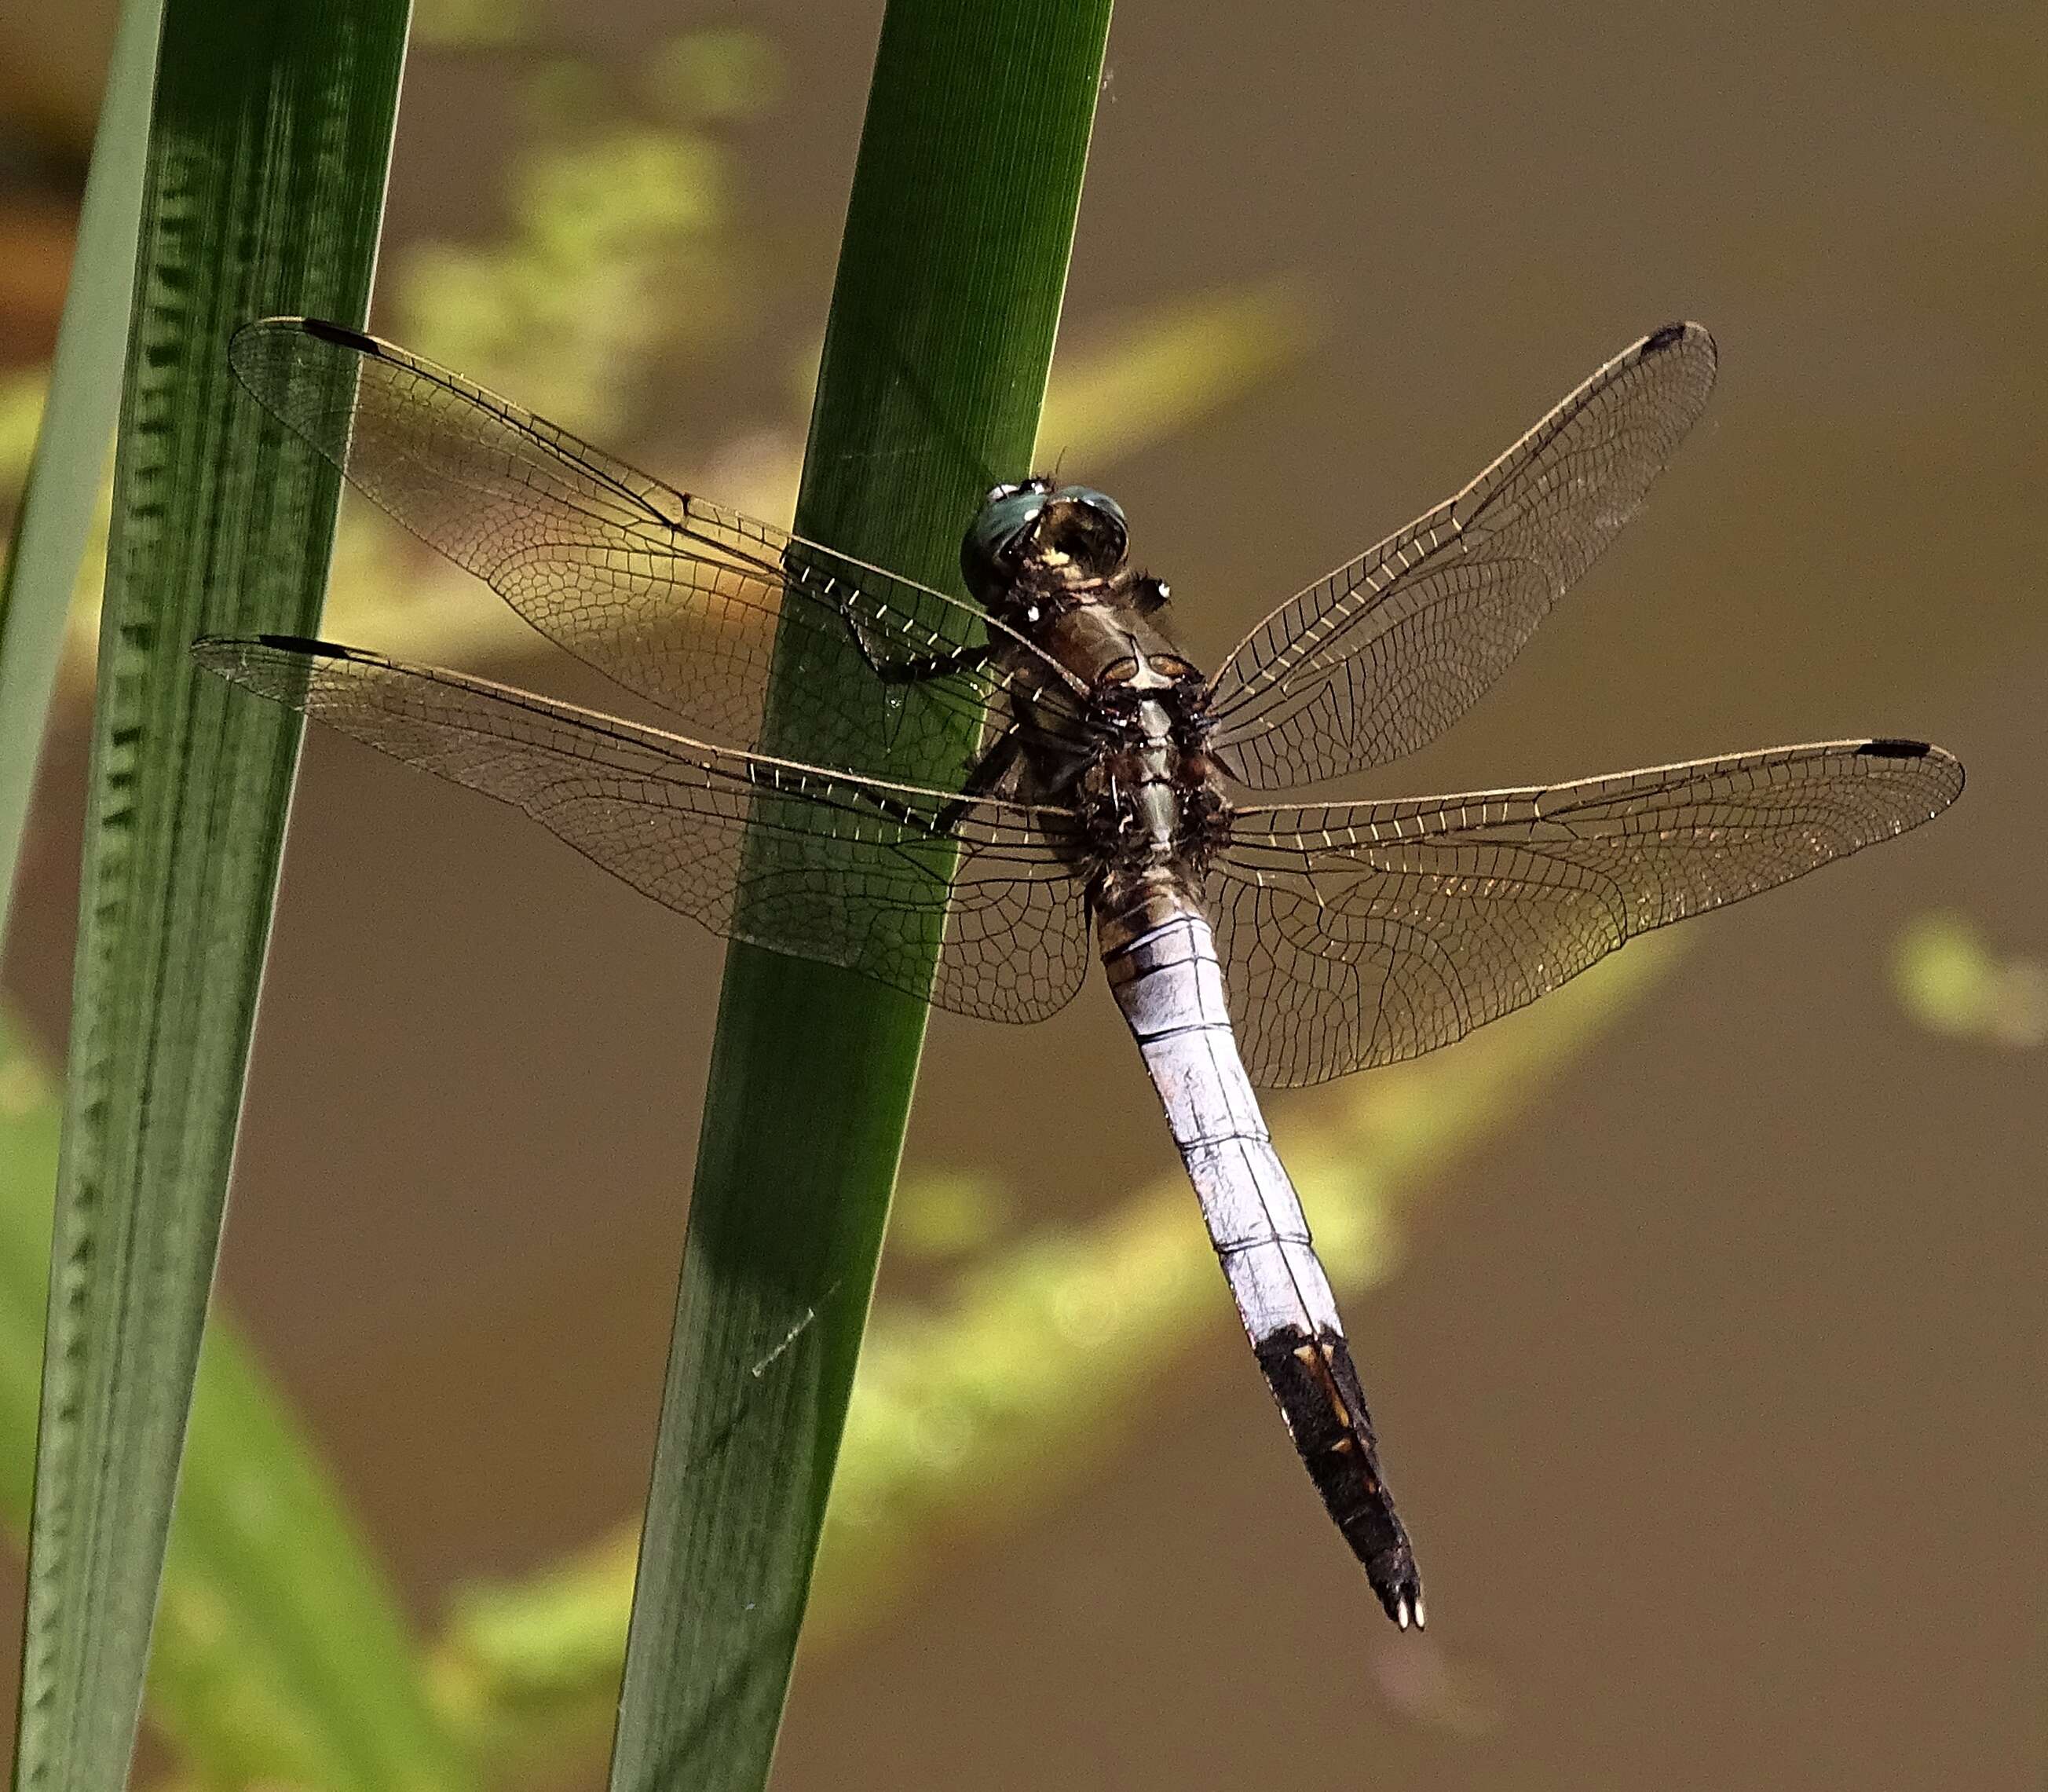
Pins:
<point x="1009" y="511"/>
<point x="1003" y="519"/>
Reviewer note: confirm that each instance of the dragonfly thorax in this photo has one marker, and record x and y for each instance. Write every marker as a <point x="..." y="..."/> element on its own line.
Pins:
<point x="1151" y="804"/>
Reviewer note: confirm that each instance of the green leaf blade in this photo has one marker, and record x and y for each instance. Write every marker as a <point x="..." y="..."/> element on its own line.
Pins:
<point x="951" y="276"/>
<point x="267" y="158"/>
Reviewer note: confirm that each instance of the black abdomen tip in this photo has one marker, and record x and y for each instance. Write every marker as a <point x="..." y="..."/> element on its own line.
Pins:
<point x="1393" y="1578"/>
<point x="1316" y="1383"/>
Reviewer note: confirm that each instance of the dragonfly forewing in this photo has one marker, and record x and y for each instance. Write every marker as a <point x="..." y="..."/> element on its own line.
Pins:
<point x="678" y="601"/>
<point x="1379" y="657"/>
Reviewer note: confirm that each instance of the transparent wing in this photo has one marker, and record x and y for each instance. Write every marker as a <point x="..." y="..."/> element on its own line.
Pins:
<point x="1360" y="934"/>
<point x="1387" y="652"/>
<point x="673" y="599"/>
<point x="848" y="870"/>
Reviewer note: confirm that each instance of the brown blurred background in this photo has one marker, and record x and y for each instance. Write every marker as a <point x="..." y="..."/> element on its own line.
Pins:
<point x="1711" y="1388"/>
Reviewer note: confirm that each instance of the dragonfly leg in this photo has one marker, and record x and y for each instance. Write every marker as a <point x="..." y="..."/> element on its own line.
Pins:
<point x="923" y="666"/>
<point x="989" y="772"/>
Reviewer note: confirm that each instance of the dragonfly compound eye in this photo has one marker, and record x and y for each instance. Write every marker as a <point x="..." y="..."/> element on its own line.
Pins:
<point x="988" y="554"/>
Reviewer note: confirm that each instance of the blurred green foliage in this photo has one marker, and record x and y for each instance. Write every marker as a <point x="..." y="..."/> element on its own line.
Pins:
<point x="942" y="1216"/>
<point x="21" y="416"/>
<point x="1948" y="978"/>
<point x="467" y="24"/>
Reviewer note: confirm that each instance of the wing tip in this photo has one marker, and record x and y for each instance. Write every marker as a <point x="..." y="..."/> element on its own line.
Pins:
<point x="1668" y="336"/>
<point x="1938" y="761"/>
<point x="341" y="335"/>
<point x="320" y="329"/>
<point x="307" y="644"/>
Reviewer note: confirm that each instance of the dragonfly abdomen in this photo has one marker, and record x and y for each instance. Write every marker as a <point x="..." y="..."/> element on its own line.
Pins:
<point x="1162" y="967"/>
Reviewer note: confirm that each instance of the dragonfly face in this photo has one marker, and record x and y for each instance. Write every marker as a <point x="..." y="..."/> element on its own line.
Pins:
<point x="1036" y="546"/>
<point x="1275" y="943"/>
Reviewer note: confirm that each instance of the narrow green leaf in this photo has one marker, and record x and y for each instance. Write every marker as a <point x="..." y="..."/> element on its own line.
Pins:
<point x="29" y="1118"/>
<point x="268" y="150"/>
<point x="280" y="1657"/>
<point x="63" y="482"/>
<point x="951" y="275"/>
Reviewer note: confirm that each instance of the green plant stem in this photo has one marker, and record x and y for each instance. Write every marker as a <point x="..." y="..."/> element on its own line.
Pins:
<point x="951" y="274"/>
<point x="270" y="139"/>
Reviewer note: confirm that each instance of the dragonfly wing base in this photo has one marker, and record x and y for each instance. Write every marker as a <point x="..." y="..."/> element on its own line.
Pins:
<point x="1169" y="985"/>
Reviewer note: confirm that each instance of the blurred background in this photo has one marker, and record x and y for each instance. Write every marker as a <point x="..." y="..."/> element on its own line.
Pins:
<point x="1698" y="1305"/>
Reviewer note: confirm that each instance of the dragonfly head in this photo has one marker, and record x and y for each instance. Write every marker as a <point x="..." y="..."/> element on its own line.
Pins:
<point x="1037" y="539"/>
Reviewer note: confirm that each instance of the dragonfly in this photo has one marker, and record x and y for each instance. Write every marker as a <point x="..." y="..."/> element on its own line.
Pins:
<point x="1094" y="792"/>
